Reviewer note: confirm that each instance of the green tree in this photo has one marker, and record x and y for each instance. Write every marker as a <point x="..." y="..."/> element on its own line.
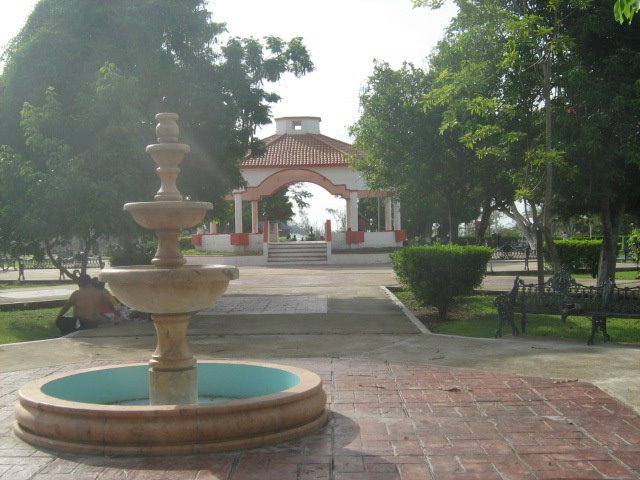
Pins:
<point x="625" y="10"/>
<point x="560" y="72"/>
<point x="514" y="48"/>
<point x="599" y="125"/>
<point x="467" y="89"/>
<point x="81" y="84"/>
<point x="403" y="152"/>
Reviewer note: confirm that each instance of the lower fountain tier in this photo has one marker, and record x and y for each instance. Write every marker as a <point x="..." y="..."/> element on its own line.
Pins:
<point x="168" y="290"/>
<point x="82" y="411"/>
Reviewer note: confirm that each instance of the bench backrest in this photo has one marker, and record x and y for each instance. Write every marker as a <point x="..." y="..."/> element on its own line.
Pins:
<point x="622" y="300"/>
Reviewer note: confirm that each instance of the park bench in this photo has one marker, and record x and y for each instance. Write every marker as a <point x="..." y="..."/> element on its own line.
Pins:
<point x="7" y="263"/>
<point x="73" y="263"/>
<point x="562" y="295"/>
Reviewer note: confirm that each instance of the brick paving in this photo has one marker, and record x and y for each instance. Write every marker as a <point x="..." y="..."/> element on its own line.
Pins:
<point x="391" y="421"/>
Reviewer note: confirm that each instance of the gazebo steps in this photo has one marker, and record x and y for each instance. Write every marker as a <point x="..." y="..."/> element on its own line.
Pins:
<point x="297" y="252"/>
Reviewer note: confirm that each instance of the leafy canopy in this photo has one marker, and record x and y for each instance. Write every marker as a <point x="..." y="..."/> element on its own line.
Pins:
<point x="80" y="87"/>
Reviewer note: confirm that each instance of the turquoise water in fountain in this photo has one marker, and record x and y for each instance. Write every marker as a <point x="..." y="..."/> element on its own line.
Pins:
<point x="129" y="385"/>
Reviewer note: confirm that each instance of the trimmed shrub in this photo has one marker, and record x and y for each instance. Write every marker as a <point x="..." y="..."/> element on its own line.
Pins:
<point x="184" y="242"/>
<point x="120" y="258"/>
<point x="633" y="243"/>
<point x="579" y="256"/>
<point x="437" y="274"/>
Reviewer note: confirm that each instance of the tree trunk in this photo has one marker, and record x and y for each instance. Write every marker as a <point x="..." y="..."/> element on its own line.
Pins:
<point x="450" y="220"/>
<point x="539" y="258"/>
<point x="523" y="224"/>
<point x="90" y="243"/>
<point x="485" y="220"/>
<point x="547" y="208"/>
<point x="611" y="214"/>
<point x="554" y="258"/>
<point x="57" y="262"/>
<point x="428" y="232"/>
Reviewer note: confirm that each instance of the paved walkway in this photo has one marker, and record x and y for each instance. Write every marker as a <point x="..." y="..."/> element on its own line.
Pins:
<point x="403" y="404"/>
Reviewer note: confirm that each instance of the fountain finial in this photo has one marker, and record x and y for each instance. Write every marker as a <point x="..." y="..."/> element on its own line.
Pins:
<point x="168" y="155"/>
<point x="168" y="214"/>
<point x="167" y="129"/>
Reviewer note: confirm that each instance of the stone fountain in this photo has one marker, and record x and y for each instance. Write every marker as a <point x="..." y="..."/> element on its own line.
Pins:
<point x="182" y="406"/>
<point x="168" y="289"/>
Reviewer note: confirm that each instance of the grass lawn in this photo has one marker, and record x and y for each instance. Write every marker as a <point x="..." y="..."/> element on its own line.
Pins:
<point x="41" y="284"/>
<point x="476" y="316"/>
<point x="620" y="275"/>
<point x="366" y="250"/>
<point x="26" y="325"/>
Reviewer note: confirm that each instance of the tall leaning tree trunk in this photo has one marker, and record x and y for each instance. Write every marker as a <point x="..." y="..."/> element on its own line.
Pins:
<point x="539" y="250"/>
<point x="547" y="208"/>
<point x="485" y="220"/>
<point x="523" y="224"/>
<point x="611" y="214"/>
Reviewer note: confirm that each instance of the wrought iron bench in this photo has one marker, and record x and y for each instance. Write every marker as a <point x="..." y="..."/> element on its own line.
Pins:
<point x="562" y="295"/>
<point x="71" y="263"/>
<point x="7" y="263"/>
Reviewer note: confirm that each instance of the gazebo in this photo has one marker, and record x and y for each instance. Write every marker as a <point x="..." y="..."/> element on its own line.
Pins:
<point x="296" y="153"/>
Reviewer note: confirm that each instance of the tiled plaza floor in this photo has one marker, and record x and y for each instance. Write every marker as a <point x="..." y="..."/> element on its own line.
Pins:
<point x="392" y="421"/>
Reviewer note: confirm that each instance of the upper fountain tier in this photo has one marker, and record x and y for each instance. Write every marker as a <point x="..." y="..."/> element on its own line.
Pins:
<point x="169" y="286"/>
<point x="169" y="214"/>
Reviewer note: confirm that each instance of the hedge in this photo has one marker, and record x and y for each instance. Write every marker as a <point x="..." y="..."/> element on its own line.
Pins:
<point x="437" y="274"/>
<point x="184" y="242"/>
<point x="579" y="256"/>
<point x="121" y="258"/>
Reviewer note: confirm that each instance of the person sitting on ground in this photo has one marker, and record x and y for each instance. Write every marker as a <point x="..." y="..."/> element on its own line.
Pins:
<point x="86" y="302"/>
<point x="111" y="311"/>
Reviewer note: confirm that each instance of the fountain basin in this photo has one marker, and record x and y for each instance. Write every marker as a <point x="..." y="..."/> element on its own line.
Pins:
<point x="169" y="290"/>
<point x="245" y="404"/>
<point x="168" y="214"/>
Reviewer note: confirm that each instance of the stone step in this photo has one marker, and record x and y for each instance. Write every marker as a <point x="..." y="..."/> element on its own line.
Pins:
<point x="300" y="253"/>
<point x="297" y="252"/>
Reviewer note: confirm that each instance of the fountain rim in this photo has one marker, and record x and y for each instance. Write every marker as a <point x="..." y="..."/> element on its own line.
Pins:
<point x="170" y="204"/>
<point x="143" y="274"/>
<point x="168" y="147"/>
<point x="31" y="394"/>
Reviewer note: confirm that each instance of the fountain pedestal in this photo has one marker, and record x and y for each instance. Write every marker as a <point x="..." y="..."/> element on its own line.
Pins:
<point x="172" y="375"/>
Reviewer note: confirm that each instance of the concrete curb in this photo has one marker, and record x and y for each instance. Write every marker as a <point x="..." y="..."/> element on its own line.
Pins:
<point x="419" y="325"/>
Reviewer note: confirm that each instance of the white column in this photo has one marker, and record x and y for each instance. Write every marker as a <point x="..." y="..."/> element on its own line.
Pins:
<point x="254" y="216"/>
<point x="353" y="204"/>
<point x="213" y="228"/>
<point x="397" y="225"/>
<point x="388" y="225"/>
<point x="347" y="225"/>
<point x="238" y="211"/>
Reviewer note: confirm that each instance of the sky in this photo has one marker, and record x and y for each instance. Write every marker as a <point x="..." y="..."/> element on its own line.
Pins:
<point x="343" y="37"/>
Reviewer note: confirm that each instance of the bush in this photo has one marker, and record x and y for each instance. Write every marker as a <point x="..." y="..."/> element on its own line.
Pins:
<point x="121" y="258"/>
<point x="184" y="242"/>
<point x="579" y="256"/>
<point x="437" y="274"/>
<point x="633" y="243"/>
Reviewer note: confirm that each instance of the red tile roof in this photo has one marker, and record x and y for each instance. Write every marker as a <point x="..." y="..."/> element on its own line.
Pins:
<point x="301" y="150"/>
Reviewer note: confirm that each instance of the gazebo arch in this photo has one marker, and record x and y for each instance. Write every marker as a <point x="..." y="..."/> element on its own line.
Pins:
<point x="283" y="178"/>
<point x="296" y="153"/>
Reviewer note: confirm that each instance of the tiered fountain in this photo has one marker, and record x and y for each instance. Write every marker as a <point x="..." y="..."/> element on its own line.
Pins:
<point x="185" y="406"/>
